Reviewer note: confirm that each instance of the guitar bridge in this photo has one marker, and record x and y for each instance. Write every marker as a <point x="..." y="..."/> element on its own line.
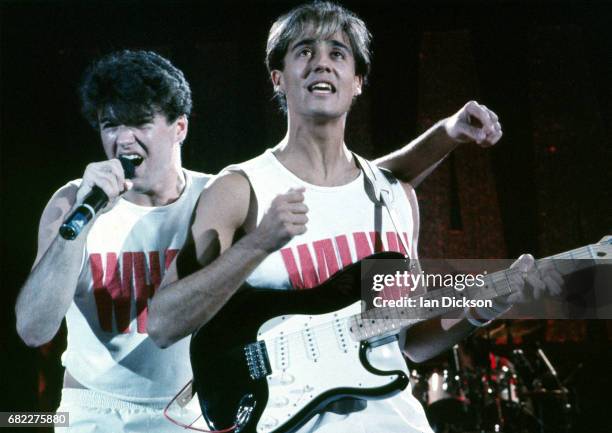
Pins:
<point x="257" y="360"/>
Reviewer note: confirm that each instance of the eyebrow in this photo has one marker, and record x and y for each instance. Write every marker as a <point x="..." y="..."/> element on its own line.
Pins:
<point x="312" y="41"/>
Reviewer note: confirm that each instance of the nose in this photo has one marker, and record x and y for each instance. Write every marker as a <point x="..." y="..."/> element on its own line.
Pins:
<point x="125" y="136"/>
<point x="321" y="62"/>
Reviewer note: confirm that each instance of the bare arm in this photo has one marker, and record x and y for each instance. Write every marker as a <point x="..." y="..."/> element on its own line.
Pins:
<point x="46" y="295"/>
<point x="433" y="337"/>
<point x="430" y="338"/>
<point x="416" y="160"/>
<point x="210" y="269"/>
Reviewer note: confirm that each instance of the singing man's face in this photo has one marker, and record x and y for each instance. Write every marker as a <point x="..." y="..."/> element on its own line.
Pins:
<point x="151" y="144"/>
<point x="318" y="78"/>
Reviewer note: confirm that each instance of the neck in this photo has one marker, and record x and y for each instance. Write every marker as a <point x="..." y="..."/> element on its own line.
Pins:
<point x="164" y="190"/>
<point x="314" y="150"/>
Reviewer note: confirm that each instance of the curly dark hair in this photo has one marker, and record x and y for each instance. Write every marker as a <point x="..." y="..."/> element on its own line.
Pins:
<point x="133" y="86"/>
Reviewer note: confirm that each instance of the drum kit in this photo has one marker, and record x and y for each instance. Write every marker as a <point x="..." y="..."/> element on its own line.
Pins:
<point x="505" y="392"/>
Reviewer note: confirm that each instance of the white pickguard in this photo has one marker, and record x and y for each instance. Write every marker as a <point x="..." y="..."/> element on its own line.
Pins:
<point x="310" y="355"/>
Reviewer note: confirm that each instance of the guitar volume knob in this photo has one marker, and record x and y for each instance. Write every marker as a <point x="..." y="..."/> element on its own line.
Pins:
<point x="280" y="401"/>
<point x="269" y="422"/>
<point x="286" y="379"/>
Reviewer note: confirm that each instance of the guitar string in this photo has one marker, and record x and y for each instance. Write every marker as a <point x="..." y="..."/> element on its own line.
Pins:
<point x="297" y="335"/>
<point x="375" y="326"/>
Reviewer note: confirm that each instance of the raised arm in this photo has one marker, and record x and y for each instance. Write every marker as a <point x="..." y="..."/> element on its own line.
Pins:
<point x="416" y="160"/>
<point x="211" y="267"/>
<point x="46" y="295"/>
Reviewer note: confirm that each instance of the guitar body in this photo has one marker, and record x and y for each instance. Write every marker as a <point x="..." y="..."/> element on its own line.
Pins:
<point x="270" y="359"/>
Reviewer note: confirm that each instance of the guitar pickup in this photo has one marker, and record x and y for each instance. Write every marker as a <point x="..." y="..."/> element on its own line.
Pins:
<point x="257" y="360"/>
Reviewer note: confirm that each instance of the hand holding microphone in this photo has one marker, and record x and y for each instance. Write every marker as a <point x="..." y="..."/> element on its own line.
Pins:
<point x="110" y="181"/>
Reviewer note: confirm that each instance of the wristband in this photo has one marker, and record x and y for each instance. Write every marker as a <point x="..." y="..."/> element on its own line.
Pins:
<point x="493" y="312"/>
<point x="474" y="321"/>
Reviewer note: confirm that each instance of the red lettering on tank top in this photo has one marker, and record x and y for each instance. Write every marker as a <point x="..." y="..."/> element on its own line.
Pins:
<point x="326" y="258"/>
<point x="121" y="292"/>
<point x="113" y="288"/>
<point x="110" y="293"/>
<point x="377" y="242"/>
<point x="407" y="243"/>
<point x="170" y="255"/>
<point x="308" y="277"/>
<point x="155" y="271"/>
<point x="143" y="291"/>
<point x="104" y="303"/>
<point x="394" y="243"/>
<point x="309" y="273"/>
<point x="344" y="250"/>
<point x="362" y="246"/>
<point x="292" y="269"/>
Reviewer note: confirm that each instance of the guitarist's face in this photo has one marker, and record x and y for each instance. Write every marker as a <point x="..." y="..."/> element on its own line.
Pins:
<point x="318" y="78"/>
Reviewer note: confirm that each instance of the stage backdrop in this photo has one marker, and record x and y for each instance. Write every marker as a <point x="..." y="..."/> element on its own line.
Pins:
<point x="542" y="66"/>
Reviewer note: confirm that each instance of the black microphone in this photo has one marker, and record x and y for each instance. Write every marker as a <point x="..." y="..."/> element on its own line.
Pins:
<point x="93" y="202"/>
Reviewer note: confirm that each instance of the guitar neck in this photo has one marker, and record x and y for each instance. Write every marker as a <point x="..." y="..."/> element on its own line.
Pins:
<point x="383" y="321"/>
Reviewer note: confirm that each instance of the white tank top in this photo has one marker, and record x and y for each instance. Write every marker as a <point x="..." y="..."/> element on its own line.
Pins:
<point x="340" y="231"/>
<point x="127" y="252"/>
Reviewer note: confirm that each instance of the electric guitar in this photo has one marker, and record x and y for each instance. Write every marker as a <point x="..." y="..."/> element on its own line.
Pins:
<point x="271" y="359"/>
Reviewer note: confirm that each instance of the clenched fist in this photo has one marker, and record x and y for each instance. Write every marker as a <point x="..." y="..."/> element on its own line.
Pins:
<point x="285" y="219"/>
<point x="474" y="122"/>
<point x="106" y="175"/>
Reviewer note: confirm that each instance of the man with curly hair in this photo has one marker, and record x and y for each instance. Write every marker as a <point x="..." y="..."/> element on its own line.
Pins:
<point x="116" y="379"/>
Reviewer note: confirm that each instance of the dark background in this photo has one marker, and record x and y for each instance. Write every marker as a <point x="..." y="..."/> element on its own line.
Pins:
<point x="543" y="66"/>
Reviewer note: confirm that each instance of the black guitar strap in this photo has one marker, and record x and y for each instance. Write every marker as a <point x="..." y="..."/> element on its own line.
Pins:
<point x="383" y="193"/>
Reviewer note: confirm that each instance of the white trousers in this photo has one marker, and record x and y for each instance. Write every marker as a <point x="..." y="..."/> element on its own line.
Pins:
<point x="92" y="412"/>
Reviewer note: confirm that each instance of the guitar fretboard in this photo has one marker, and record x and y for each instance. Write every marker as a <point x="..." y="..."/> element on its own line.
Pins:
<point x="391" y="320"/>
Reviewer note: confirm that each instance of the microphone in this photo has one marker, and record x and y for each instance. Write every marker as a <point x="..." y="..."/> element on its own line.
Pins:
<point x="93" y="202"/>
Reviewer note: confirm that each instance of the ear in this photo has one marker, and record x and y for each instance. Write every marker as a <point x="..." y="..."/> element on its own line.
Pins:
<point x="357" y="85"/>
<point x="277" y="81"/>
<point x="181" y="126"/>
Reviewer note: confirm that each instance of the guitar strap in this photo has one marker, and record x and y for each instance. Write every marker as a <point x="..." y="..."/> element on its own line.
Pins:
<point x="383" y="194"/>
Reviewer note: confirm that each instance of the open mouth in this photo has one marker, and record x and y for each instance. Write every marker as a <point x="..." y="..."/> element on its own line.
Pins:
<point x="322" y="87"/>
<point x="133" y="158"/>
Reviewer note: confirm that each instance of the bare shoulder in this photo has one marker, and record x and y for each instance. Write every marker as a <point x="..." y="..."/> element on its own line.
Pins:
<point x="224" y="201"/>
<point x="221" y="211"/>
<point x="409" y="190"/>
<point x="60" y="203"/>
